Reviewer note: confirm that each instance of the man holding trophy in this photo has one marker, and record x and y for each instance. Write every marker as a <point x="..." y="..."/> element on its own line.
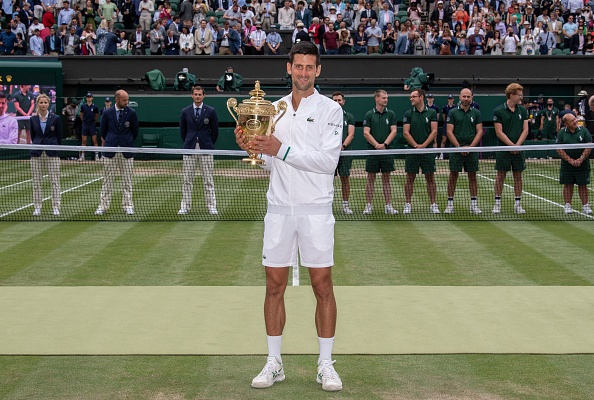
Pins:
<point x="302" y="153"/>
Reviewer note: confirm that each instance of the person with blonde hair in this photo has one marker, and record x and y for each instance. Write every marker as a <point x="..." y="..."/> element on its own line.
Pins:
<point x="46" y="129"/>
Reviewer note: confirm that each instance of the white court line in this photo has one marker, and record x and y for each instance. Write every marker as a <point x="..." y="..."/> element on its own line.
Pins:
<point x="19" y="183"/>
<point x="49" y="197"/>
<point x="296" y="274"/>
<point x="538" y="197"/>
<point x="557" y="180"/>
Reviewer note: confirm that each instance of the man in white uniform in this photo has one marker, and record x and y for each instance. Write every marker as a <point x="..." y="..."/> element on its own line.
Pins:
<point x="302" y="156"/>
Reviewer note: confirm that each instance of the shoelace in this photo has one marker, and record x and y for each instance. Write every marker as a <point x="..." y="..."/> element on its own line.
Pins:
<point x="328" y="371"/>
<point x="268" y="368"/>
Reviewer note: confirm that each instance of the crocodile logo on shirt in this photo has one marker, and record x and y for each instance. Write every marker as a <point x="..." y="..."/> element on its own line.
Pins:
<point x="310" y="119"/>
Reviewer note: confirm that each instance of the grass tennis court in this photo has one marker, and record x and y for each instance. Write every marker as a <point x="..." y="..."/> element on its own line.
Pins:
<point x="368" y="254"/>
<point x="241" y="193"/>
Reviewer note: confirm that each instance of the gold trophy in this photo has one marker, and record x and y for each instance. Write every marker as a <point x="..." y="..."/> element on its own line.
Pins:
<point x="256" y="116"/>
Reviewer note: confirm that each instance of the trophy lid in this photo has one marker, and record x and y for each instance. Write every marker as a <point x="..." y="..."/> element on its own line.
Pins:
<point x="256" y="102"/>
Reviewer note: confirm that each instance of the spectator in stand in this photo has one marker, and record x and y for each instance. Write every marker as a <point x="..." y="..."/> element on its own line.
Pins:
<point x="246" y="33"/>
<point x="300" y="33"/>
<point x="102" y="32"/>
<point x="186" y="42"/>
<point x="128" y="14"/>
<point x="314" y="31"/>
<point x="233" y="15"/>
<point x="367" y="15"/>
<point x="360" y="40"/>
<point x="48" y="19"/>
<point x="345" y="42"/>
<point x="577" y="44"/>
<point x="202" y="39"/>
<point x="88" y="37"/>
<point x="265" y="13"/>
<point x="171" y="44"/>
<point x="389" y="40"/>
<point x="447" y="44"/>
<point x="528" y="43"/>
<point x="7" y="40"/>
<point x="569" y="29"/>
<point x="302" y="13"/>
<point x="66" y="14"/>
<point x="88" y="14"/>
<point x="274" y="41"/>
<point x="460" y="17"/>
<point x="317" y="11"/>
<point x="374" y="37"/>
<point x="495" y="45"/>
<point x="247" y="15"/>
<point x="36" y="43"/>
<point x="556" y="28"/>
<point x="348" y="15"/>
<point x="286" y="16"/>
<point x="510" y="42"/>
<point x="145" y="8"/>
<point x="439" y="13"/>
<point x="418" y="44"/>
<point x="71" y="42"/>
<point x="35" y="25"/>
<point x="414" y="13"/>
<point x="476" y="41"/>
<point x="111" y="43"/>
<point x="386" y="16"/>
<point x="20" y="46"/>
<point x="258" y="39"/>
<point x="331" y="40"/>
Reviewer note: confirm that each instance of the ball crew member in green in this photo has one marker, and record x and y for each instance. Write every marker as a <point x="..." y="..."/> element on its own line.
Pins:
<point x="379" y="129"/>
<point x="344" y="163"/>
<point x="575" y="165"/>
<point x="464" y="129"/>
<point x="420" y="130"/>
<point x="511" y="127"/>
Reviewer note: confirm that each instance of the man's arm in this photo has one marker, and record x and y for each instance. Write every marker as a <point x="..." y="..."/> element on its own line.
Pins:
<point x="13" y="131"/>
<point x="350" y="136"/>
<point x="478" y="135"/>
<point x="183" y="126"/>
<point x="501" y="135"/>
<point x="214" y="126"/>
<point x="524" y="133"/>
<point x="451" y="136"/>
<point x="431" y="136"/>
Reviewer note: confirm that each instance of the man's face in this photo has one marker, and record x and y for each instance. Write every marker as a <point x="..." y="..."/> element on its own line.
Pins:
<point x="465" y="97"/>
<point x="197" y="96"/>
<point x="2" y="106"/>
<point x="381" y="99"/>
<point x="203" y="24"/>
<point x="550" y="103"/>
<point x="287" y="4"/>
<point x="339" y="99"/>
<point x="416" y="100"/>
<point x="122" y="100"/>
<point x="516" y="98"/>
<point x="570" y="121"/>
<point x="303" y="71"/>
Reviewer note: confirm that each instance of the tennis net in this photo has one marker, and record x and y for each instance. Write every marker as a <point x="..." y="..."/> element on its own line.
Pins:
<point x="157" y="181"/>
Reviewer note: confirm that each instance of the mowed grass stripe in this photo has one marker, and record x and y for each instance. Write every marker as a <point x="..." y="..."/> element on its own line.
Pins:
<point x="173" y="253"/>
<point x="251" y="269"/>
<point x="473" y="262"/>
<point x="126" y="247"/>
<point x="368" y="253"/>
<point x="531" y="263"/>
<point x="61" y="262"/>
<point x="219" y="258"/>
<point x="34" y="254"/>
<point x="463" y="377"/>
<point x="13" y="233"/>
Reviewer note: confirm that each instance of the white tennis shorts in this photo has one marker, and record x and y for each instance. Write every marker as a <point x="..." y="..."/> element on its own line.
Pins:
<point x="309" y="236"/>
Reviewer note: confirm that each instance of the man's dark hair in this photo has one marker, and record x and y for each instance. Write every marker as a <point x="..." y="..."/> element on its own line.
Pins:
<point x="420" y="92"/>
<point x="305" y="48"/>
<point x="2" y="95"/>
<point x="199" y="88"/>
<point x="338" y="94"/>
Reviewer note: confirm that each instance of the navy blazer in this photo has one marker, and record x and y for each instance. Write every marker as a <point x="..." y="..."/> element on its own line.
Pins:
<point x="119" y="135"/>
<point x="52" y="134"/>
<point x="205" y="130"/>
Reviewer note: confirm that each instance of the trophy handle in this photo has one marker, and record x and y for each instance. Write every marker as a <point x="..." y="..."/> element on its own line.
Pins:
<point x="281" y="106"/>
<point x="232" y="106"/>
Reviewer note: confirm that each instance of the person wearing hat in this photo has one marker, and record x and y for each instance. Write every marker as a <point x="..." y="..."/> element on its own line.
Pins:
<point x="440" y="13"/>
<point x="527" y="43"/>
<point x="89" y="115"/>
<point x="274" y="41"/>
<point x="258" y="40"/>
<point x="300" y="33"/>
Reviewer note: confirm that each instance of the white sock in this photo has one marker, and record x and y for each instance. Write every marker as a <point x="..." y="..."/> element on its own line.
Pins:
<point x="326" y="345"/>
<point x="345" y="203"/>
<point x="274" y="346"/>
<point x="473" y="202"/>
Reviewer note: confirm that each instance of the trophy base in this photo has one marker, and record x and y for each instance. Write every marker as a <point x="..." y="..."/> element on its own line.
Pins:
<point x="253" y="161"/>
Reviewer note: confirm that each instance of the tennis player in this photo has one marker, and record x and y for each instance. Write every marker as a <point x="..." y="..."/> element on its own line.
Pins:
<point x="302" y="156"/>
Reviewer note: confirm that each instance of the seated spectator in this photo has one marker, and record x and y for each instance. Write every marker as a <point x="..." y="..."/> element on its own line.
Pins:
<point x="124" y="43"/>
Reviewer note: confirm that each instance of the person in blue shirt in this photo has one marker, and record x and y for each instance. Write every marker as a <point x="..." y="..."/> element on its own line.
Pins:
<point x="7" y="41"/>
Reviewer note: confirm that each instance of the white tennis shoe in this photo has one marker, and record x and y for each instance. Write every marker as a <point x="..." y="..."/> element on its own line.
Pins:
<point x="272" y="372"/>
<point x="519" y="210"/>
<point x="567" y="209"/>
<point x="449" y="209"/>
<point x="368" y="209"/>
<point x="475" y="210"/>
<point x="407" y="209"/>
<point x="586" y="209"/>
<point x="434" y="209"/>
<point x="390" y="210"/>
<point x="497" y="209"/>
<point x="328" y="377"/>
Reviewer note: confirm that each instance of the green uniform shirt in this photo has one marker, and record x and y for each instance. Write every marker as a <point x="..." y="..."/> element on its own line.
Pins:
<point x="24" y="101"/>
<point x="420" y="123"/>
<point x="512" y="123"/>
<point x="379" y="124"/>
<point x="348" y="119"/>
<point x="550" y="120"/>
<point x="465" y="123"/>
<point x="581" y="135"/>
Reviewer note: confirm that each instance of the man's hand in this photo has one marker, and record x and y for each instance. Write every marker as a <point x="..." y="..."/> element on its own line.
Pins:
<point x="269" y="145"/>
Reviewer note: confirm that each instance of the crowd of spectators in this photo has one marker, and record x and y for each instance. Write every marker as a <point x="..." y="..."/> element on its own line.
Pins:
<point x="251" y="27"/>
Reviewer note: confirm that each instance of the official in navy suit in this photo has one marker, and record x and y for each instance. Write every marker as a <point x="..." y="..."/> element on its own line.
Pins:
<point x="46" y="128"/>
<point x="119" y="128"/>
<point x="199" y="129"/>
